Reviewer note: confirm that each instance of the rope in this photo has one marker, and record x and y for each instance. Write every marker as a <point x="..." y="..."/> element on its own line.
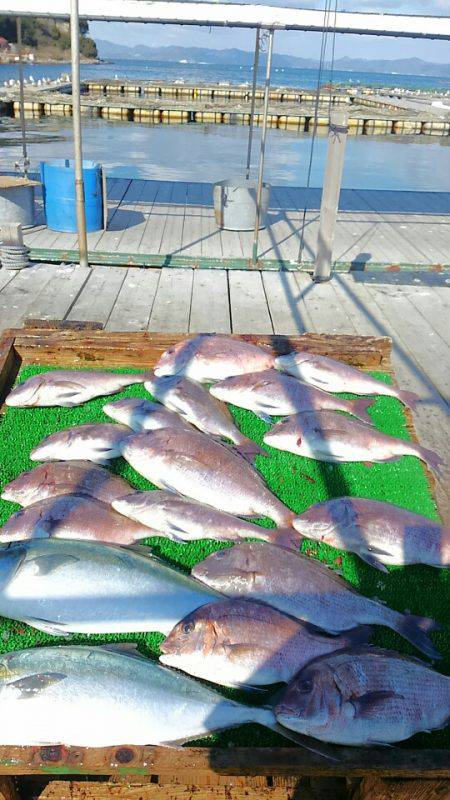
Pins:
<point x="327" y="12"/>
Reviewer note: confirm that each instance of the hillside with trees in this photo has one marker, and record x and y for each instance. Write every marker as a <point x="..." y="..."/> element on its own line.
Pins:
<point x="48" y="39"/>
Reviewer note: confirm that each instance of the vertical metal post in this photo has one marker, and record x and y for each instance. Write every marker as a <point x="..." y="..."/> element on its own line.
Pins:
<point x="337" y="139"/>
<point x="76" y="110"/>
<point x="262" y="149"/>
<point x="26" y="163"/>
<point x="252" y="109"/>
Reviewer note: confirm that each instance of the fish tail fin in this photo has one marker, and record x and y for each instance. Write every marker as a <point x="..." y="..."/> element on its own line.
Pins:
<point x="415" y="630"/>
<point x="357" y="637"/>
<point x="359" y="409"/>
<point x="433" y="461"/>
<point x="284" y="537"/>
<point x="408" y="398"/>
<point x="249" y="449"/>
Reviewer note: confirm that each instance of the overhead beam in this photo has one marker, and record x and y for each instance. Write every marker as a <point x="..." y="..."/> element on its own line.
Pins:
<point x="235" y="15"/>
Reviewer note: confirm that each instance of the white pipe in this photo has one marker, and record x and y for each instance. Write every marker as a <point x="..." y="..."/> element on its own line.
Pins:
<point x="77" y="141"/>
<point x="235" y="15"/>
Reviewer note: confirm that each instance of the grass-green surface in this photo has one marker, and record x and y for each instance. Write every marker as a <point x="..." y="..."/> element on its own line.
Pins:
<point x="298" y="482"/>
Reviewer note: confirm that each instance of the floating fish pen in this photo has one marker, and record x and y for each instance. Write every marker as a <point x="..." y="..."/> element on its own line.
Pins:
<point x="248" y="761"/>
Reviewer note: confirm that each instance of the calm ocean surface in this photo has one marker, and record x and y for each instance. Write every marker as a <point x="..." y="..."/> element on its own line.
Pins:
<point x="213" y="152"/>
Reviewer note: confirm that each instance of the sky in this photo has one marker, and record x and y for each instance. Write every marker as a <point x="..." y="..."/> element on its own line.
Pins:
<point x="297" y="43"/>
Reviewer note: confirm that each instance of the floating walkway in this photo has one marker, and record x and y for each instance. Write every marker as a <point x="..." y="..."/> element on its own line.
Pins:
<point x="289" y="109"/>
<point x="167" y="223"/>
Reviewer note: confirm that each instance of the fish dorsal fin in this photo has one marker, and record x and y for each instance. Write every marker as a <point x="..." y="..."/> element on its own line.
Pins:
<point x="34" y="684"/>
<point x="129" y="649"/>
<point x="142" y="549"/>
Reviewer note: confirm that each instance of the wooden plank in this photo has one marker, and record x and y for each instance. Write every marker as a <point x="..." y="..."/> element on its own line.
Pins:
<point x="134" y="302"/>
<point x="326" y="311"/>
<point x="168" y="763"/>
<point x="131" y="237"/>
<point x="154" y="228"/>
<point x="144" y="349"/>
<point x="17" y="295"/>
<point x="248" y="303"/>
<point x="77" y="790"/>
<point x="192" y="229"/>
<point x="122" y="218"/>
<point x="285" y="302"/>
<point x="211" y="235"/>
<point x="388" y="789"/>
<point x="9" y="364"/>
<point x="435" y="311"/>
<point x="8" y="789"/>
<point x="173" y="229"/>
<point x="427" y="347"/>
<point x="55" y="300"/>
<point x="172" y="306"/>
<point x="98" y="296"/>
<point x="6" y="276"/>
<point x="210" y="311"/>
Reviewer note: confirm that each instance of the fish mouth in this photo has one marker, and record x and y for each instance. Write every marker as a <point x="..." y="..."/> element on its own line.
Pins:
<point x="289" y="720"/>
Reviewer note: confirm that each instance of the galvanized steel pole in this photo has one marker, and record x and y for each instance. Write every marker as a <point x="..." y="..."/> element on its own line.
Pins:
<point x="262" y="149"/>
<point x="337" y="139"/>
<point x="26" y="163"/>
<point x="77" y="141"/>
<point x="252" y="109"/>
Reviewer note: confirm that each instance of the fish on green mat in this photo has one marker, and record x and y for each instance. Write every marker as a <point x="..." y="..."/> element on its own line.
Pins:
<point x="65" y="477"/>
<point x="213" y="357"/>
<point x="333" y="437"/>
<point x="304" y="588"/>
<point x="63" y="586"/>
<point x="243" y="643"/>
<point x="380" y="533"/>
<point x="203" y="469"/>
<point x="69" y="387"/>
<point x="366" y="697"/>
<point x="143" y="415"/>
<point x="104" y="696"/>
<point x="195" y="405"/>
<point x="336" y="376"/>
<point x="184" y="520"/>
<point x="92" y="442"/>
<point x="272" y="393"/>
<point x="72" y="516"/>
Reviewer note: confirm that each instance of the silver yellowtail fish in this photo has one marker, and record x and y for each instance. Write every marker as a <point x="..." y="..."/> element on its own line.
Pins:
<point x="72" y="516"/>
<point x="62" y="586"/>
<point x="195" y="405"/>
<point x="213" y="357"/>
<point x="380" y="533"/>
<point x="186" y="520"/>
<point x="365" y="697"/>
<point x="96" y="442"/>
<point x="244" y="643"/>
<point x="335" y="376"/>
<point x="144" y="415"/>
<point x="272" y="393"/>
<point x="48" y="693"/>
<point x="69" y="387"/>
<point x="305" y="589"/>
<point x="333" y="437"/>
<point x="65" y="477"/>
<point x="199" y="467"/>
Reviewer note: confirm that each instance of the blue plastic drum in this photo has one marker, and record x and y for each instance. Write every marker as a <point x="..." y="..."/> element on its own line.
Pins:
<point x="58" y="187"/>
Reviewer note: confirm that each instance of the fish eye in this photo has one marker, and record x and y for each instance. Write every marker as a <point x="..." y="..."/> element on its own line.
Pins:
<point x="304" y="686"/>
<point x="221" y="553"/>
<point x="188" y="627"/>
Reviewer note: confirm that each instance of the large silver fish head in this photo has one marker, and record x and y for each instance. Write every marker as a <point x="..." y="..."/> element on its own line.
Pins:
<point x="310" y="700"/>
<point x="11" y="557"/>
<point x="49" y="448"/>
<point x="26" y="393"/>
<point x="321" y="521"/>
<point x="175" y="360"/>
<point x="162" y="384"/>
<point x="231" y="388"/>
<point x="17" y="489"/>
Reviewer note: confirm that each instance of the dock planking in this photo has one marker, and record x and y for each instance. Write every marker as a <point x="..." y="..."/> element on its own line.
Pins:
<point x="176" y="219"/>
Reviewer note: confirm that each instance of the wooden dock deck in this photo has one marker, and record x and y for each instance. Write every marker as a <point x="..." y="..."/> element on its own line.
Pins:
<point x="168" y="223"/>
<point x="411" y="307"/>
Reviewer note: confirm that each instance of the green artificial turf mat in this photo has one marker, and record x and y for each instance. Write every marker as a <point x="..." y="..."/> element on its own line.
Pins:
<point x="298" y="482"/>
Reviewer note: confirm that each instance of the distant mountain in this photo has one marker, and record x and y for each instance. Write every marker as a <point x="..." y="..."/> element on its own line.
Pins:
<point x="405" y="66"/>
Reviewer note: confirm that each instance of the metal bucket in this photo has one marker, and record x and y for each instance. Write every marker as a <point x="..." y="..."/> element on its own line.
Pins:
<point x="17" y="201"/>
<point x="235" y="204"/>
